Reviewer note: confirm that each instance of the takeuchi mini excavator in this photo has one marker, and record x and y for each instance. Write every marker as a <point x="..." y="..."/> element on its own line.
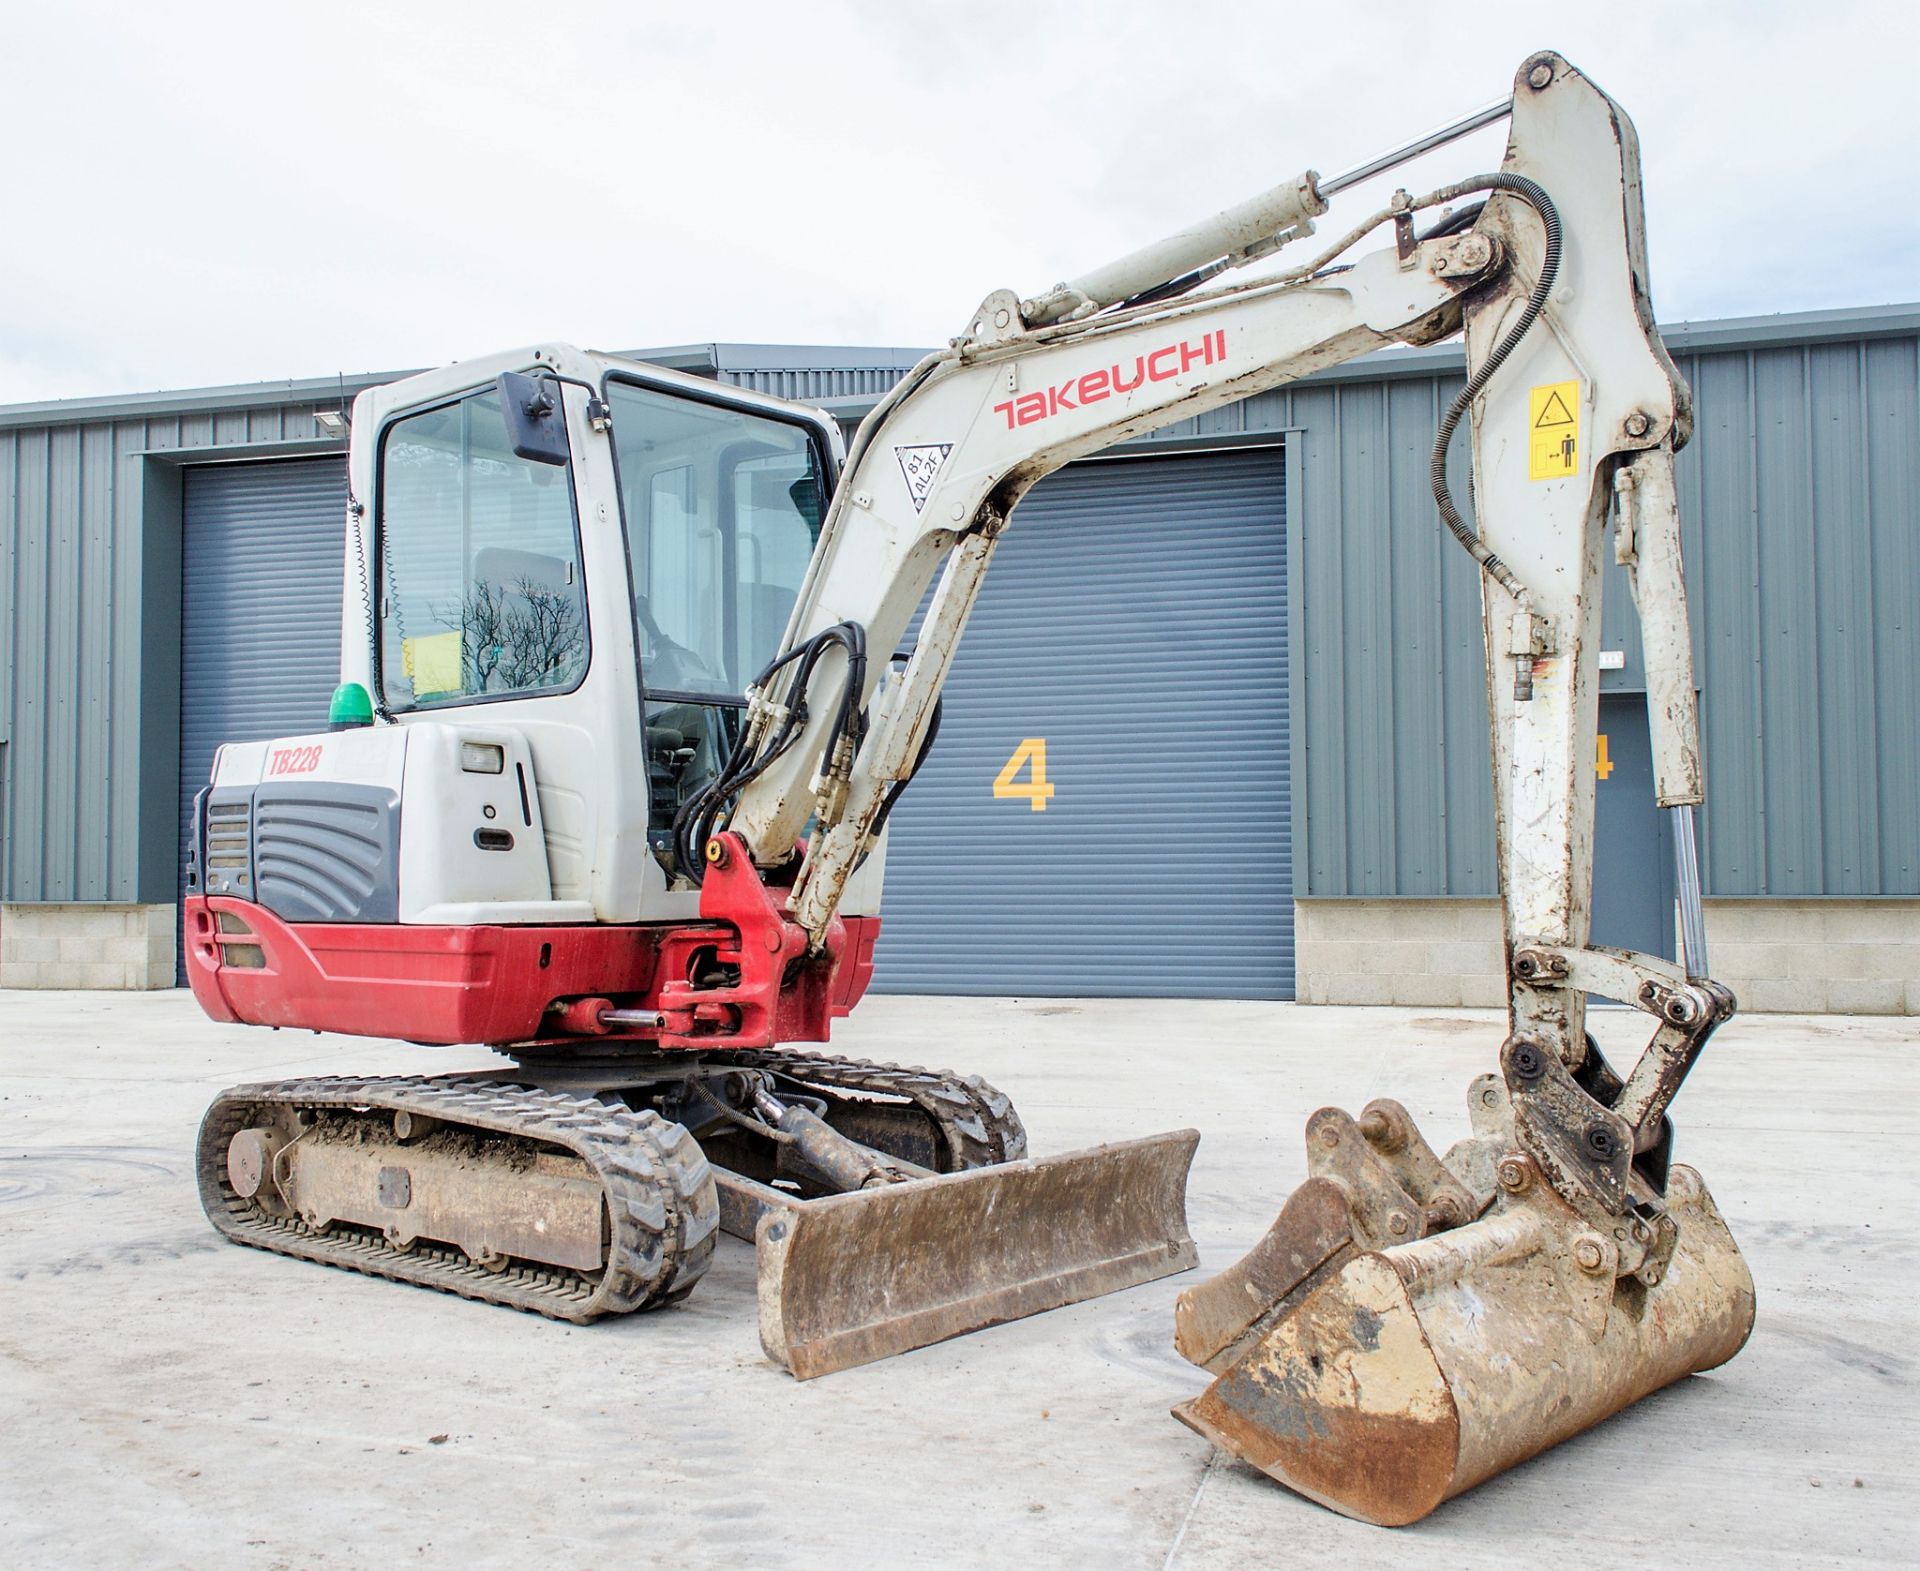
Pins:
<point x="626" y="703"/>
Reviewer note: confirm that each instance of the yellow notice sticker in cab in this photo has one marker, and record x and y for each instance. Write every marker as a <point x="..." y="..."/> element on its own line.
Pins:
<point x="432" y="664"/>
<point x="1553" y="436"/>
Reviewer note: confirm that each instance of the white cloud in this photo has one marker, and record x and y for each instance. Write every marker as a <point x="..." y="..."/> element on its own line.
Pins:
<point x="229" y="192"/>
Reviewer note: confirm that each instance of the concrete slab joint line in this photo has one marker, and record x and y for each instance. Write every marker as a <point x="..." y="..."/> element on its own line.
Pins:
<point x="120" y="1306"/>
<point x="1193" y="1505"/>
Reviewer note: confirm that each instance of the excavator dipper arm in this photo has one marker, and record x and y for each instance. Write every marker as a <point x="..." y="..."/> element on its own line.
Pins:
<point x="1378" y="1351"/>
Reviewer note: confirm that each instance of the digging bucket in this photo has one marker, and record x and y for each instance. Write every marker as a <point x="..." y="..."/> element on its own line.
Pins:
<point x="1384" y="1381"/>
<point x="856" y="1277"/>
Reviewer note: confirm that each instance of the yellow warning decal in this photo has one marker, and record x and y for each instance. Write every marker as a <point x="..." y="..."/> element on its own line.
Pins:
<point x="1553" y="437"/>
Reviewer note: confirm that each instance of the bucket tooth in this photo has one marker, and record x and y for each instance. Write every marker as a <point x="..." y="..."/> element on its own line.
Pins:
<point x="1414" y="1372"/>
<point x="856" y="1277"/>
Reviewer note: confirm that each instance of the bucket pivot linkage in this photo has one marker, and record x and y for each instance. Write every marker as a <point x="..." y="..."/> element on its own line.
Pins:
<point x="1411" y="1325"/>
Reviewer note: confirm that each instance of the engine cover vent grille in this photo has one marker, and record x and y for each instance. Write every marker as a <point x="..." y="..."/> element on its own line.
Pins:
<point x="229" y="844"/>
<point x="327" y="852"/>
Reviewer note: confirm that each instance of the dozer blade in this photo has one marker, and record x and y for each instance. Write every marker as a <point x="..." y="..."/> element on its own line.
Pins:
<point x="856" y="1277"/>
<point x="1384" y="1381"/>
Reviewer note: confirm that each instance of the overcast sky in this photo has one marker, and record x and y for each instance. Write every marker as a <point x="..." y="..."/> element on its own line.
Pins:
<point x="209" y="193"/>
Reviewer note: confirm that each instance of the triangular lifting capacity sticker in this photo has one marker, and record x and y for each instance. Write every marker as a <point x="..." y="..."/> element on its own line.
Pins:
<point x="919" y="466"/>
<point x="1553" y="436"/>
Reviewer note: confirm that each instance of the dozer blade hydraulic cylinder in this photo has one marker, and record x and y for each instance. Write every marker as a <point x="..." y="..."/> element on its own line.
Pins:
<point x="850" y="1278"/>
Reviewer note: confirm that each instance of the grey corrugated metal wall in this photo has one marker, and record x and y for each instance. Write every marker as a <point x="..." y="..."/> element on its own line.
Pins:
<point x="85" y="703"/>
<point x="812" y="385"/>
<point x="1802" y="504"/>
<point x="1800" y="499"/>
<point x="1802" y="495"/>
<point x="810" y="375"/>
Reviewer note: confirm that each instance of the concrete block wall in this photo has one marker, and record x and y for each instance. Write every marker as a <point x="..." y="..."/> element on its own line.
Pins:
<point x="1841" y="957"/>
<point x="1779" y="956"/>
<point x="124" y="947"/>
<point x="1442" y="953"/>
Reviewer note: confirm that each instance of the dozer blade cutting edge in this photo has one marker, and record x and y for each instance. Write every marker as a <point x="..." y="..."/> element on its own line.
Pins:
<point x="1381" y="1372"/>
<point x="851" y="1278"/>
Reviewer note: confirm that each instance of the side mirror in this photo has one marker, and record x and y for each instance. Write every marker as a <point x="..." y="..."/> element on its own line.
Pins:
<point x="536" y="424"/>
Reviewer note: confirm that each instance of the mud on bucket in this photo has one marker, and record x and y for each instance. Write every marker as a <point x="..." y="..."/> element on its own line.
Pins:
<point x="1383" y="1381"/>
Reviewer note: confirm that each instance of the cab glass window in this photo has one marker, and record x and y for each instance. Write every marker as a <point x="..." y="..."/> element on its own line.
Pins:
<point x="722" y="509"/>
<point x="479" y="563"/>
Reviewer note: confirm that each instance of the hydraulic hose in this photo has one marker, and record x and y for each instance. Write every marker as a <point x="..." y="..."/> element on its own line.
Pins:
<point x="700" y="816"/>
<point x="1535" y="197"/>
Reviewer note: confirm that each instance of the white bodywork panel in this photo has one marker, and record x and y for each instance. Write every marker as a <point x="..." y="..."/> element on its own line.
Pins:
<point x="446" y="876"/>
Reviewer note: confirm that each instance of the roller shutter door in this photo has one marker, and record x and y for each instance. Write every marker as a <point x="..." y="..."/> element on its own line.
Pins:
<point x="260" y="615"/>
<point x="1135" y="621"/>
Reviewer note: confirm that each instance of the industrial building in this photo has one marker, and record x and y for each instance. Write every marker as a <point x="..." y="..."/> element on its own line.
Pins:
<point x="1218" y="727"/>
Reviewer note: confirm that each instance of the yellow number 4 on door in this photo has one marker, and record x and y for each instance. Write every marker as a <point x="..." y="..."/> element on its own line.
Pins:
<point x="1036" y="788"/>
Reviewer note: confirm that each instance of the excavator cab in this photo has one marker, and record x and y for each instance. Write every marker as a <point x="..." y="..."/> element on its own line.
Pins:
<point x="598" y="544"/>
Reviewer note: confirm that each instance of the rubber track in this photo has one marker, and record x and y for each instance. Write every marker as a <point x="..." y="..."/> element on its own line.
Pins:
<point x="976" y="1119"/>
<point x="661" y="1199"/>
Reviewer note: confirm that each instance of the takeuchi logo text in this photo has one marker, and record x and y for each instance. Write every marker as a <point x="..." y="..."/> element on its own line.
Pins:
<point x="1157" y="365"/>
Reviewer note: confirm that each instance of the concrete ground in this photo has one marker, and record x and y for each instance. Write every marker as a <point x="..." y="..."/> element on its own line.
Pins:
<point x="169" y="1400"/>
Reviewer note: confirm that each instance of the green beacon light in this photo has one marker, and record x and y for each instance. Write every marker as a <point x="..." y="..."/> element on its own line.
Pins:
<point x="351" y="706"/>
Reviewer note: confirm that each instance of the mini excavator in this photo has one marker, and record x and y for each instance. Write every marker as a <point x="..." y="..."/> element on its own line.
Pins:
<point x="605" y="788"/>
